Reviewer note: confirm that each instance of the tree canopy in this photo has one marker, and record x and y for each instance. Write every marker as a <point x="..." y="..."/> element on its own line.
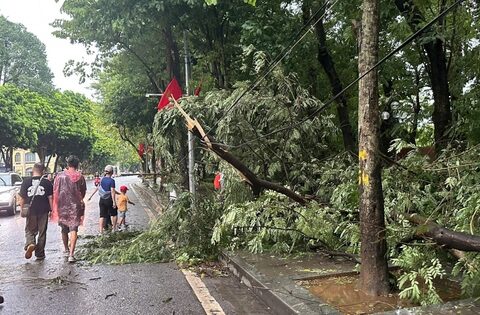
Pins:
<point x="23" y="60"/>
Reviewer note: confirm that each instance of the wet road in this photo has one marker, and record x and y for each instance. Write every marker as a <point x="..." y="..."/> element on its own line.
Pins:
<point x="54" y="286"/>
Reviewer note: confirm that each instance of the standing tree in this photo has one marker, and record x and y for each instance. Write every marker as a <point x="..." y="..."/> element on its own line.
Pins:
<point x="17" y="128"/>
<point x="23" y="61"/>
<point x="373" y="272"/>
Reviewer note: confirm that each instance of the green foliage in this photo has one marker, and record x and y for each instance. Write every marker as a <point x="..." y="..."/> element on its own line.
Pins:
<point x="17" y="117"/>
<point x="23" y="60"/>
<point x="420" y="268"/>
<point x="58" y="123"/>
<point x="182" y="232"/>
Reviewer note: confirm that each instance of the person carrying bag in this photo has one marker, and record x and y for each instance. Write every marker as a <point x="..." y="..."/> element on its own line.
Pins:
<point x="36" y="201"/>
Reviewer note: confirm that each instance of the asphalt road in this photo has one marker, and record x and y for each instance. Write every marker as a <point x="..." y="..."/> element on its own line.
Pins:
<point x="54" y="286"/>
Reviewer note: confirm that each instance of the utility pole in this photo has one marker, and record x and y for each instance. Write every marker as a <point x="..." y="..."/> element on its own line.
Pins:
<point x="191" y="155"/>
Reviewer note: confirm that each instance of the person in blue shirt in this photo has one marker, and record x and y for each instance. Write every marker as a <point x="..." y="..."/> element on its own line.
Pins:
<point x="107" y="203"/>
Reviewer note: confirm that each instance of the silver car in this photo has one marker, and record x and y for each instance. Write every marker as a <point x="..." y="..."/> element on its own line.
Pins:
<point x="9" y="187"/>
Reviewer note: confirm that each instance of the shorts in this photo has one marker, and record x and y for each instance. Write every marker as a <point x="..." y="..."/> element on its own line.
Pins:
<point x="66" y="228"/>
<point x="122" y="214"/>
<point x="106" y="208"/>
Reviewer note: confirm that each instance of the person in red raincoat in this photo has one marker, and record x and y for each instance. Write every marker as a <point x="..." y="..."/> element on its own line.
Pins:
<point x="69" y="190"/>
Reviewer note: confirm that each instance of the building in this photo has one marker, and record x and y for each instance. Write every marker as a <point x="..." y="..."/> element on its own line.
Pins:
<point x="23" y="161"/>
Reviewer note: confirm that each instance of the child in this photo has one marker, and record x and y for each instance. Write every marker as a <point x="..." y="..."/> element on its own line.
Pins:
<point x="122" y="201"/>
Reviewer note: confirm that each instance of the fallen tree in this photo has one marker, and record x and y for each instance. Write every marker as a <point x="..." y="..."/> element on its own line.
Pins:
<point x="426" y="229"/>
<point x="444" y="237"/>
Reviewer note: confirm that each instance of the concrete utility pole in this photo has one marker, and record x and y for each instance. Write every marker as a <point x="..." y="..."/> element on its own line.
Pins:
<point x="191" y="155"/>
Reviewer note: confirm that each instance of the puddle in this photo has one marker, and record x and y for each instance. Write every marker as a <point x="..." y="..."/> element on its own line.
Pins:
<point x="341" y="293"/>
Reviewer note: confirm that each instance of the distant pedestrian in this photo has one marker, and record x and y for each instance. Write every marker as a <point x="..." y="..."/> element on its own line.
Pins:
<point x="68" y="207"/>
<point x="38" y="191"/>
<point x="122" y="203"/>
<point x="107" y="202"/>
<point x="96" y="180"/>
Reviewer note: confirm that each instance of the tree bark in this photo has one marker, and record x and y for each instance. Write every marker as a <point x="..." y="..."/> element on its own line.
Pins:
<point x="373" y="252"/>
<point x="445" y="237"/>
<point x="328" y="65"/>
<point x="437" y="72"/>
<point x="172" y="56"/>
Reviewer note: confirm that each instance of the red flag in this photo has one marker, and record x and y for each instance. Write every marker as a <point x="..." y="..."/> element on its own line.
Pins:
<point x="173" y="90"/>
<point x="198" y="89"/>
<point x="141" y="150"/>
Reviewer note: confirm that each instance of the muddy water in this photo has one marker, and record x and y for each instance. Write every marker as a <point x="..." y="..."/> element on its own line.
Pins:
<point x="342" y="293"/>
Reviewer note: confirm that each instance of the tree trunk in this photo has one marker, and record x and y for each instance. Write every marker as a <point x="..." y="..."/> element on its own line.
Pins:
<point x="416" y="109"/>
<point x="41" y="154"/>
<point x="312" y="71"/>
<point x="172" y="56"/>
<point x="328" y="65"/>
<point x="445" y="237"/>
<point x="437" y="72"/>
<point x="9" y="159"/>
<point x="373" y="271"/>
<point x="55" y="166"/>
<point x="48" y="162"/>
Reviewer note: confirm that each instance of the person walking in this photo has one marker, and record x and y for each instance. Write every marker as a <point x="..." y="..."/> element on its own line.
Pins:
<point x="69" y="189"/>
<point x="36" y="191"/>
<point x="107" y="202"/>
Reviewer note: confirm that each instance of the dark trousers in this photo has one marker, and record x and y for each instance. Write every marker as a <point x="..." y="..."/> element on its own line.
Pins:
<point x="36" y="224"/>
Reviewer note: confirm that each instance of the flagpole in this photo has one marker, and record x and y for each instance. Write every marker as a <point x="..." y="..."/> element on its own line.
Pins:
<point x="191" y="153"/>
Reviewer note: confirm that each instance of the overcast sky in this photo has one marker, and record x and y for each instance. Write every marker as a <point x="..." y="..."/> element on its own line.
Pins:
<point x="36" y="16"/>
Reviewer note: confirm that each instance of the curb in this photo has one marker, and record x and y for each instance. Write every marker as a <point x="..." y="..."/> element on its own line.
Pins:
<point x="300" y="303"/>
<point x="149" y="198"/>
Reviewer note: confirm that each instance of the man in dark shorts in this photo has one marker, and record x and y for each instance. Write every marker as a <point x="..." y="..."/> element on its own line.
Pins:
<point x="37" y="219"/>
<point x="69" y="190"/>
<point x="107" y="203"/>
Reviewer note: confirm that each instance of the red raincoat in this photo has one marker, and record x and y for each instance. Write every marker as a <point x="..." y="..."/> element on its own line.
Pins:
<point x="69" y="190"/>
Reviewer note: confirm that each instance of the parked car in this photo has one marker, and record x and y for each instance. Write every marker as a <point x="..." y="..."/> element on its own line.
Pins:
<point x="9" y="187"/>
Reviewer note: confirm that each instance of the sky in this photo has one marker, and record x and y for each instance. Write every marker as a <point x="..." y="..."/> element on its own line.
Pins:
<point x="36" y="16"/>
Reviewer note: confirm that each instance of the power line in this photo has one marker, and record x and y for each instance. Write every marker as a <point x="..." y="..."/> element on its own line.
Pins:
<point x="284" y="53"/>
<point x="331" y="100"/>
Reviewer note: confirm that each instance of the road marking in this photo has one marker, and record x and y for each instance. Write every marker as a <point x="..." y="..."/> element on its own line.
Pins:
<point x="209" y="304"/>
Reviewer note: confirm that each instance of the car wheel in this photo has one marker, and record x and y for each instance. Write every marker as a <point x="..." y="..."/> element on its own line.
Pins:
<point x="13" y="210"/>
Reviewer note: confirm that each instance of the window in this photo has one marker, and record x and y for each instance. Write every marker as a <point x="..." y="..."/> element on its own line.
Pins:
<point x="16" y="179"/>
<point x="5" y="180"/>
<point x="30" y="157"/>
<point x="18" y="157"/>
<point x="29" y="171"/>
